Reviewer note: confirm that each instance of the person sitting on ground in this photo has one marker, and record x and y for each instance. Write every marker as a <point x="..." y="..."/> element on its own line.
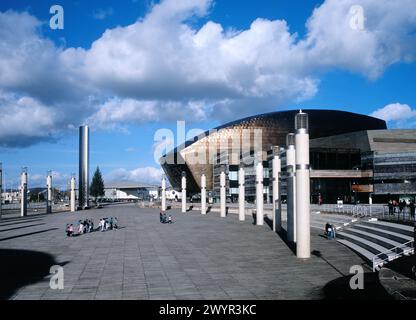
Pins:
<point x="80" y="227"/>
<point x="101" y="224"/>
<point x="71" y="230"/>
<point x="327" y="227"/>
<point x="85" y="224"/>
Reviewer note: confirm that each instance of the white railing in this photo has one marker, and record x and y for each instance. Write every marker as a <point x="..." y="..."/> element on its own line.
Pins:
<point x="404" y="249"/>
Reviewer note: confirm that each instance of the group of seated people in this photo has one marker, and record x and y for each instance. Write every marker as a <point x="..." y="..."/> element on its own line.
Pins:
<point x="82" y="227"/>
<point x="330" y="231"/>
<point x="87" y="226"/>
<point x="164" y="218"/>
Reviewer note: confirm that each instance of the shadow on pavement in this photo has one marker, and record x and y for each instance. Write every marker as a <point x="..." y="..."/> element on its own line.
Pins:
<point x="22" y="227"/>
<point x="20" y="268"/>
<point x="340" y="289"/>
<point x="28" y="234"/>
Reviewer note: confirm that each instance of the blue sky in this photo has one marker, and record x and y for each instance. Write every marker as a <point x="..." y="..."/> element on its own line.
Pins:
<point x="128" y="68"/>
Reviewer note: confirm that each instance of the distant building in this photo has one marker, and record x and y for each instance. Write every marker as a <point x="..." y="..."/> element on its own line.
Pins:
<point x="130" y="191"/>
<point x="353" y="157"/>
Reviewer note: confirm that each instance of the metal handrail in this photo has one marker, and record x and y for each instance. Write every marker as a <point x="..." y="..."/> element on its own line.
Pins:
<point x="409" y="244"/>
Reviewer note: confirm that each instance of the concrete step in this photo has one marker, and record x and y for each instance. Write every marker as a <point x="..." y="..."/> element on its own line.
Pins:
<point x="395" y="227"/>
<point x="367" y="255"/>
<point x="398" y="237"/>
<point x="366" y="244"/>
<point x="380" y="240"/>
<point x="335" y="218"/>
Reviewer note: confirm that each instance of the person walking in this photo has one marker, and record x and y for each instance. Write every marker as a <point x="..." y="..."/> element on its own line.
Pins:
<point x="334" y="230"/>
<point x="412" y="209"/>
<point x="390" y="204"/>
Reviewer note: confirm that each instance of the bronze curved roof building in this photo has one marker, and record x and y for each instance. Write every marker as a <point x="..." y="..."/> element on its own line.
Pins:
<point x="274" y="127"/>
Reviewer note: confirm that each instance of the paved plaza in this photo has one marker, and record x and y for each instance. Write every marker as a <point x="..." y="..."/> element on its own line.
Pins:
<point x="197" y="257"/>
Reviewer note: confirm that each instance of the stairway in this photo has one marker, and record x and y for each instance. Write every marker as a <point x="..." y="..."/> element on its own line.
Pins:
<point x="319" y="220"/>
<point x="377" y="241"/>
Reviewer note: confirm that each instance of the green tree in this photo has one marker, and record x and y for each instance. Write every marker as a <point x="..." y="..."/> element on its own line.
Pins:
<point x="97" y="185"/>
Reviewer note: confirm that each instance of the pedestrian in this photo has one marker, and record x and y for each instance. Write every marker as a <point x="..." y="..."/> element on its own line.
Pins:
<point x="333" y="231"/>
<point x="170" y="219"/>
<point x="67" y="230"/>
<point x="71" y="230"/>
<point x="412" y="209"/>
<point x="402" y="204"/>
<point x="390" y="205"/>
<point x="115" y="223"/>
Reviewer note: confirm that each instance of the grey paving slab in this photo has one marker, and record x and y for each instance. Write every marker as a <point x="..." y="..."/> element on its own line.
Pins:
<point x="197" y="257"/>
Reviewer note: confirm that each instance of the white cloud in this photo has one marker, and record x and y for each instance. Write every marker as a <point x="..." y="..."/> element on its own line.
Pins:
<point x="162" y="68"/>
<point x="59" y="180"/>
<point x="397" y="114"/>
<point x="142" y="175"/>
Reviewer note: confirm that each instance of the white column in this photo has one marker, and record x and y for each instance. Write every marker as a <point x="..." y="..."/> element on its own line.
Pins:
<point x="291" y="187"/>
<point x="241" y="195"/>
<point x="1" y="188"/>
<point x="72" y="196"/>
<point x="222" y="194"/>
<point x="163" y="193"/>
<point x="303" y="236"/>
<point x="23" y="193"/>
<point x="276" y="169"/>
<point x="259" y="194"/>
<point x="49" y="193"/>
<point x="203" y="194"/>
<point x="183" y="192"/>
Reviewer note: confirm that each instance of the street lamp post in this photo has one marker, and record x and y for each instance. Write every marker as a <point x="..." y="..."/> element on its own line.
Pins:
<point x="303" y="227"/>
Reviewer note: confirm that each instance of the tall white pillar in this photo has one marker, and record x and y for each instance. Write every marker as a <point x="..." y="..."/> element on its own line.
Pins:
<point x="72" y="196"/>
<point x="291" y="187"/>
<point x="1" y="188"/>
<point x="277" y="208"/>
<point x="49" y="192"/>
<point x="183" y="192"/>
<point x="222" y="193"/>
<point x="163" y="193"/>
<point x="259" y="194"/>
<point x="303" y="234"/>
<point x="23" y="193"/>
<point x="241" y="195"/>
<point x="203" y="194"/>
